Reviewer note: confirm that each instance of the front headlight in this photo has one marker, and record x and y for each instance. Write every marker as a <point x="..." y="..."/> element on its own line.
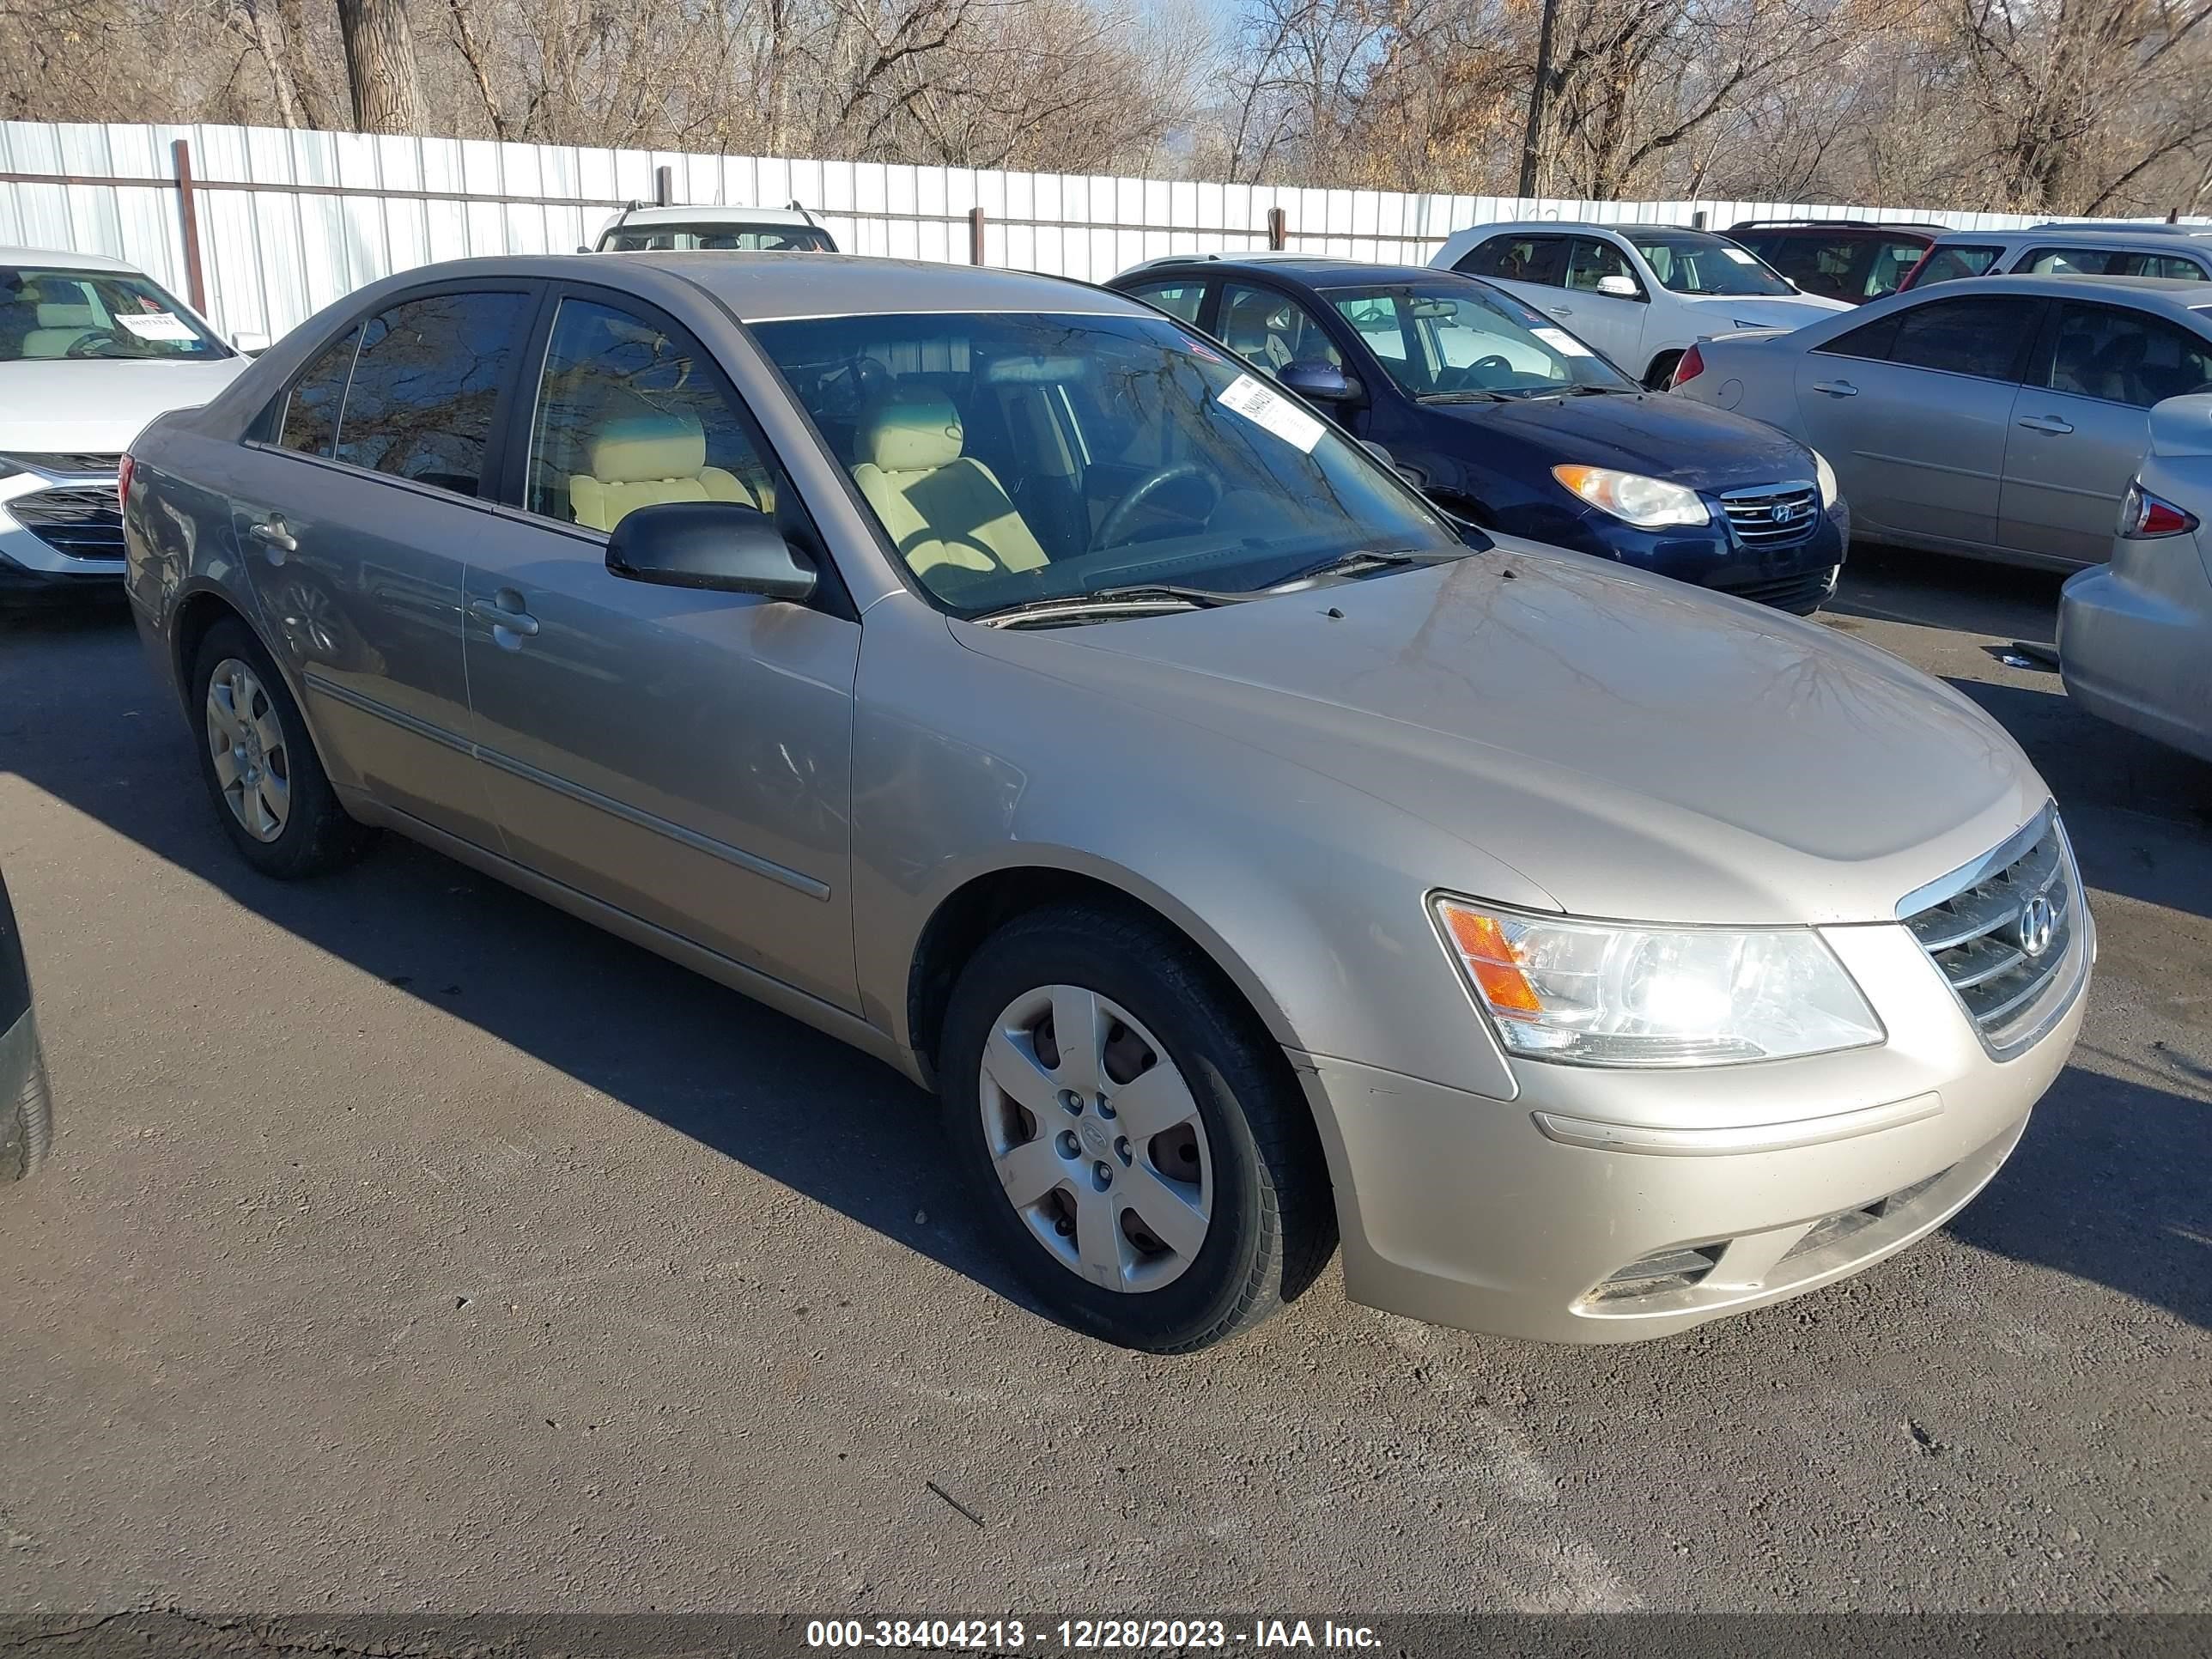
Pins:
<point x="1826" y="475"/>
<point x="1649" y="504"/>
<point x="1605" y="993"/>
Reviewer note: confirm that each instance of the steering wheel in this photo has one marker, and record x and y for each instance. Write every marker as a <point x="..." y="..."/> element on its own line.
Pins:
<point x="846" y="388"/>
<point x="1117" y="519"/>
<point x="1495" y="360"/>
<point x="90" y="345"/>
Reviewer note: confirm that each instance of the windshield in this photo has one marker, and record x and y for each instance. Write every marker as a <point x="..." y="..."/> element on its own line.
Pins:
<point x="1689" y="263"/>
<point x="1013" y="457"/>
<point x="1449" y="340"/>
<point x="728" y="238"/>
<point x="94" y="313"/>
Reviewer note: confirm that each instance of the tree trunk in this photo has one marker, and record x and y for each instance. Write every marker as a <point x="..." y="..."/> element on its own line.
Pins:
<point x="380" y="51"/>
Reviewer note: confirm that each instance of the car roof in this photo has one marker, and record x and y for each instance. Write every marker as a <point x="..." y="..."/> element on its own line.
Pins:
<point x="2174" y="296"/>
<point x="63" y="259"/>
<point x="761" y="287"/>
<point x="1315" y="270"/>
<point x="2146" y="235"/>
<point x="715" y="214"/>
<point x="1554" y="227"/>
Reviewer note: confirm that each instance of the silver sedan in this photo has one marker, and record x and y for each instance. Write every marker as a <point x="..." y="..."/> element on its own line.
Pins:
<point x="2135" y="637"/>
<point x="991" y="672"/>
<point x="2001" y="419"/>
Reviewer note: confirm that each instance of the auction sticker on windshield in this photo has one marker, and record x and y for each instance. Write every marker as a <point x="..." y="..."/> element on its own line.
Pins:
<point x="1740" y="256"/>
<point x="1559" y="340"/>
<point x="154" y="325"/>
<point x="1273" y="412"/>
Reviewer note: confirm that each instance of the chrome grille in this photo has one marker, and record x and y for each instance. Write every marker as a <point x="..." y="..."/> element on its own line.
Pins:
<point x="69" y="463"/>
<point x="1980" y="926"/>
<point x="1772" y="515"/>
<point x="77" y="523"/>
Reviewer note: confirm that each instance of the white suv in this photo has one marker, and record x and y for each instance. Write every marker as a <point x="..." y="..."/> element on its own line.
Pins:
<point x="1640" y="294"/>
<point x="638" y="229"/>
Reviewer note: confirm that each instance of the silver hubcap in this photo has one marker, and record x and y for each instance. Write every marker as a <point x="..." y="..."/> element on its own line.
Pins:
<point x="1097" y="1138"/>
<point x="252" y="765"/>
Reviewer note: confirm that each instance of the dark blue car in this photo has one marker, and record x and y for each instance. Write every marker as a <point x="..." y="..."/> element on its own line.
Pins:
<point x="1507" y="419"/>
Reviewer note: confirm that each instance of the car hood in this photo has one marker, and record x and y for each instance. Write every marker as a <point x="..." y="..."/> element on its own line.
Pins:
<point x="1635" y="747"/>
<point x="1726" y="314"/>
<point x="1653" y="432"/>
<point x="97" y="406"/>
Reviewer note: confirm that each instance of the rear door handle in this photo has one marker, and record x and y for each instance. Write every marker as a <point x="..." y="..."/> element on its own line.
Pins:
<point x="1561" y="311"/>
<point x="272" y="535"/>
<point x="515" y="622"/>
<point x="1836" y="388"/>
<point x="2050" y="423"/>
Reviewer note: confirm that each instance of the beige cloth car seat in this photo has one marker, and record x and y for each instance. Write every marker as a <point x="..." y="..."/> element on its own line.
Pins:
<point x="941" y="508"/>
<point x="59" y="328"/>
<point x="644" y="461"/>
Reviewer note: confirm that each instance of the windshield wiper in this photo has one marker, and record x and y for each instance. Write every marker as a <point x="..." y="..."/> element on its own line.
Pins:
<point x="1462" y="397"/>
<point x="1375" y="558"/>
<point x="1136" y="598"/>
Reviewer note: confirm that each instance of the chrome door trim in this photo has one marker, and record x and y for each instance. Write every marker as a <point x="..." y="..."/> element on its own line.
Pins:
<point x="797" y="880"/>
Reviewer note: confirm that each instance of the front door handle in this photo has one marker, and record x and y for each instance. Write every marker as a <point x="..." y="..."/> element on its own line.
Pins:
<point x="2050" y="423"/>
<point x="515" y="622"/>
<point x="1836" y="388"/>
<point x="272" y="535"/>
<point x="1561" y="311"/>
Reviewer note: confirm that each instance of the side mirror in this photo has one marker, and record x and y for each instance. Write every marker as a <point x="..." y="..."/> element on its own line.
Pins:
<point x="1619" y="287"/>
<point x="717" y="546"/>
<point x="583" y="250"/>
<point x="253" y="344"/>
<point x="1325" y="383"/>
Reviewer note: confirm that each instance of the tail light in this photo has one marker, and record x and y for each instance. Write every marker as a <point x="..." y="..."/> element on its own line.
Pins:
<point x="2144" y="516"/>
<point x="123" y="465"/>
<point x="1688" y="368"/>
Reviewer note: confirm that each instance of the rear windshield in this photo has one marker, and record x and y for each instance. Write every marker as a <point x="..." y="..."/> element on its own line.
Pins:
<point x="728" y="238"/>
<point x="48" y="314"/>
<point x="1690" y="262"/>
<point x="1948" y="264"/>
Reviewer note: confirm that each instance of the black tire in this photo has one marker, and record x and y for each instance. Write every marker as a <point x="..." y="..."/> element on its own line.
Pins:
<point x="26" y="1123"/>
<point x="1273" y="1226"/>
<point x="1661" y="374"/>
<point x="317" y="836"/>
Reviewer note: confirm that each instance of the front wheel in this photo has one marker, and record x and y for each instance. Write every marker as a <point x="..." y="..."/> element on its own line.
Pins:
<point x="1661" y="375"/>
<point x="1133" y="1138"/>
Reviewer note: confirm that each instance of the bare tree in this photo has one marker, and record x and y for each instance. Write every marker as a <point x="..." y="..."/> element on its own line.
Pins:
<point x="379" y="55"/>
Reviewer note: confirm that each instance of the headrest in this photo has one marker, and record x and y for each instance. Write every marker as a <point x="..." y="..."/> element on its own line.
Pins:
<point x="60" y="316"/>
<point x="910" y="431"/>
<point x="647" y="448"/>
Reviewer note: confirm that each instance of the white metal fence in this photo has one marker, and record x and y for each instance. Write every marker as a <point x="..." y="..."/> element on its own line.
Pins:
<point x="283" y="222"/>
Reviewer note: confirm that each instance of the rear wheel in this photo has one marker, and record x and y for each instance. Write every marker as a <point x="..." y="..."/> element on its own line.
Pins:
<point x="1133" y="1140"/>
<point x="269" y="789"/>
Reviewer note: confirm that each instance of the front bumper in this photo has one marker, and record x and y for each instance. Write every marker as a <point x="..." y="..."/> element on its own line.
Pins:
<point x="1609" y="1207"/>
<point x="34" y="567"/>
<point x="1799" y="577"/>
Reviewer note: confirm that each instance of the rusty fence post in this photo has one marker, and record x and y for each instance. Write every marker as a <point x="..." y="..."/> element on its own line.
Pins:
<point x="1278" y="229"/>
<point x="975" y="236"/>
<point x="188" y="219"/>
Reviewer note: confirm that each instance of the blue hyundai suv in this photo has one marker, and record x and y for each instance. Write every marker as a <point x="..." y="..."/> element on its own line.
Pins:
<point x="1506" y="419"/>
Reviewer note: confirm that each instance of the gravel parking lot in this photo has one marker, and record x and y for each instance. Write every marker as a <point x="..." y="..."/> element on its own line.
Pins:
<point x="409" y="1246"/>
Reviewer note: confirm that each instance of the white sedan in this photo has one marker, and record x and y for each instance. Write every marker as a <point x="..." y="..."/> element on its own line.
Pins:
<point x="91" y="350"/>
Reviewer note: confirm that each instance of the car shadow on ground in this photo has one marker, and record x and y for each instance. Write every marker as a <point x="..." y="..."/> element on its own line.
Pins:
<point x="1931" y="590"/>
<point x="794" y="1105"/>
<point x="2107" y="1185"/>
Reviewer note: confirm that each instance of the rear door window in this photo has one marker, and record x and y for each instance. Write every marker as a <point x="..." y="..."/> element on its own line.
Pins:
<point x="425" y="383"/>
<point x="1520" y="260"/>
<point x="1987" y="336"/>
<point x="1950" y="263"/>
<point x="310" y="425"/>
<point x="2125" y="357"/>
<point x="1181" y="298"/>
